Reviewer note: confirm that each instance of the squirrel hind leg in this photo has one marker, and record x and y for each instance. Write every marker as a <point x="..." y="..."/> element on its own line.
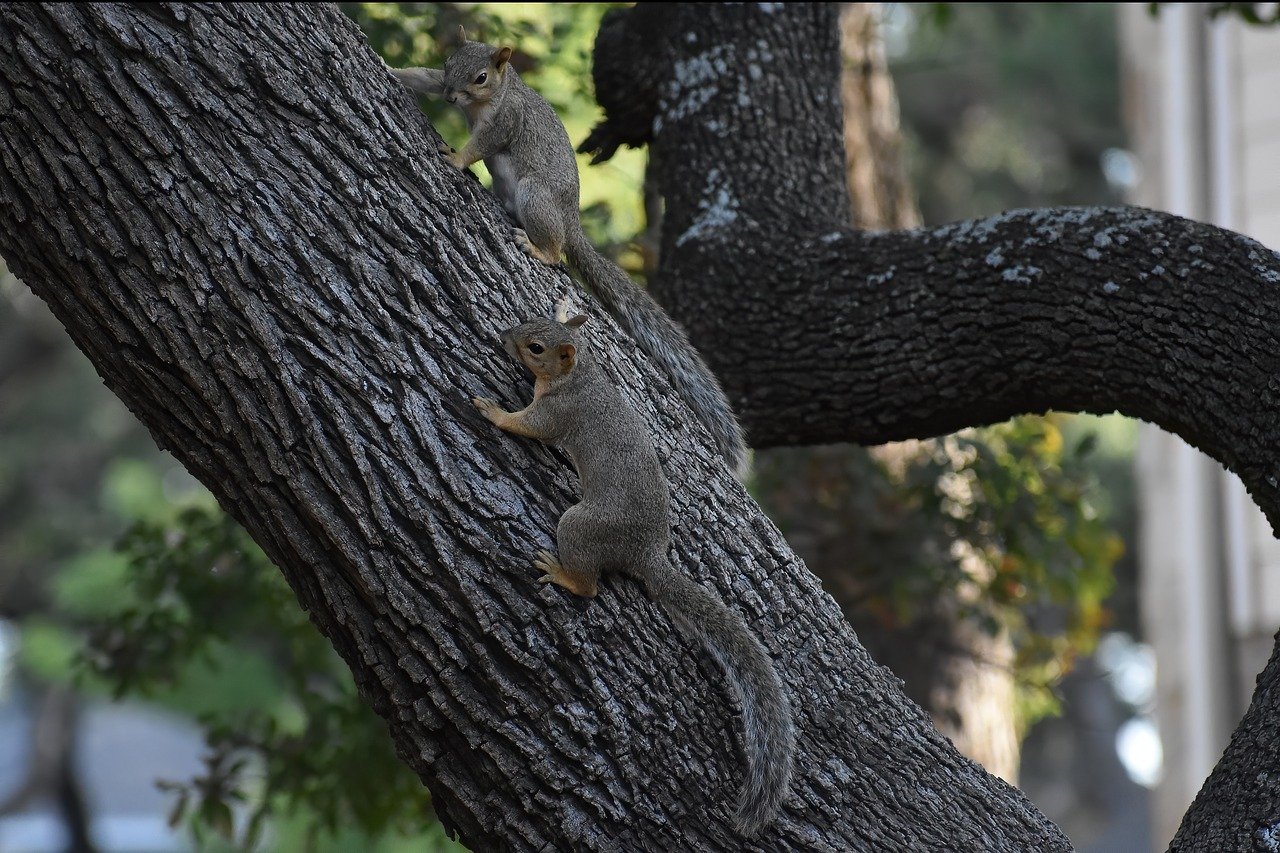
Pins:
<point x="579" y="581"/>
<point x="543" y="220"/>
<point x="550" y="257"/>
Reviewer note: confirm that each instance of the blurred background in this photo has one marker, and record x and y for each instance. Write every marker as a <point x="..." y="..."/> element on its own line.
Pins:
<point x="1081" y="603"/>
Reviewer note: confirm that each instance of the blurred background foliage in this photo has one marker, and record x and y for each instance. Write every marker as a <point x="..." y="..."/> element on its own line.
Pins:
<point x="123" y="578"/>
<point x="1007" y="106"/>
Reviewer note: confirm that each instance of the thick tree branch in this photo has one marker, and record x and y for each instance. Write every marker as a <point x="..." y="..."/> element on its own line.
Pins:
<point x="238" y="216"/>
<point x="1086" y="309"/>
<point x="1229" y="813"/>
<point x="823" y="334"/>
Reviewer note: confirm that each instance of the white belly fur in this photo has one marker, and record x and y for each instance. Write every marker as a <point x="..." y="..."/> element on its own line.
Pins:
<point x="504" y="180"/>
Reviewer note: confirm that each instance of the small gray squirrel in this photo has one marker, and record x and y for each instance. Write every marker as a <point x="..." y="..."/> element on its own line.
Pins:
<point x="535" y="174"/>
<point x="622" y="525"/>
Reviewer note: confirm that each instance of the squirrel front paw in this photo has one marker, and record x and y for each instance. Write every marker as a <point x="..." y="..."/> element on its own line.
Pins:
<point x="488" y="408"/>
<point x="565" y="309"/>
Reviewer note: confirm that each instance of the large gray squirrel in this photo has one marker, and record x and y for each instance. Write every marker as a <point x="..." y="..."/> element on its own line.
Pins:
<point x="527" y="151"/>
<point x="622" y="525"/>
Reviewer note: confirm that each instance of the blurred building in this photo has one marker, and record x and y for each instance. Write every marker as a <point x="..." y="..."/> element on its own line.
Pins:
<point x="1203" y="109"/>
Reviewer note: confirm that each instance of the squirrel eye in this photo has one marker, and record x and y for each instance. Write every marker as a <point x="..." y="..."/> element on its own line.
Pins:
<point x="484" y="75"/>
<point x="536" y="349"/>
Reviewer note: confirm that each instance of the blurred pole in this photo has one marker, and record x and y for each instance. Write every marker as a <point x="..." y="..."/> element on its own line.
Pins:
<point x="1236" y="503"/>
<point x="1201" y="729"/>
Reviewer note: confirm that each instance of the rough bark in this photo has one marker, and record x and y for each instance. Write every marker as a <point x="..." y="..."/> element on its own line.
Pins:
<point x="843" y="514"/>
<point x="960" y="674"/>
<point x="1080" y="309"/>
<point x="820" y="333"/>
<point x="238" y="217"/>
<point x="1230" y="811"/>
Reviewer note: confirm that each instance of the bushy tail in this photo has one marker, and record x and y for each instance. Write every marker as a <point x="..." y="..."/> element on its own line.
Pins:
<point x="769" y="730"/>
<point x="664" y="341"/>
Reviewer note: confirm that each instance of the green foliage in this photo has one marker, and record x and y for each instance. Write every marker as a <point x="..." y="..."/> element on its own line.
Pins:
<point x="190" y="614"/>
<point x="999" y="520"/>
<point x="1004" y="106"/>
<point x="552" y="45"/>
<point x="287" y="734"/>
<point x="1021" y="500"/>
<point x="1256" y="14"/>
<point x="1009" y="105"/>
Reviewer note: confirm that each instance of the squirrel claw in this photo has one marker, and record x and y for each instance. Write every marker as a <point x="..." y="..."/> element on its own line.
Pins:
<point x="487" y="407"/>
<point x="546" y="562"/>
<point x="531" y="249"/>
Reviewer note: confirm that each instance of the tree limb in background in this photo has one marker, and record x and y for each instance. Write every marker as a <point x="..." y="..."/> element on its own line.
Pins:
<point x="820" y="333"/>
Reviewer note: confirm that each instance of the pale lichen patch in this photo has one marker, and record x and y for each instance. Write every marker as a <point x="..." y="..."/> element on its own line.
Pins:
<point x="1021" y="274"/>
<point x="717" y="208"/>
<point x="1269" y="837"/>
<point x="693" y="83"/>
<point x="882" y="277"/>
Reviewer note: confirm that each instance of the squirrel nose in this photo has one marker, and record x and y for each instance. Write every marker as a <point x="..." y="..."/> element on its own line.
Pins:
<point x="451" y="97"/>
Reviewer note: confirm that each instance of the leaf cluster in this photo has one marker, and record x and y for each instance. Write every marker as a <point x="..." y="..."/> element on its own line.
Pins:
<point x="198" y="594"/>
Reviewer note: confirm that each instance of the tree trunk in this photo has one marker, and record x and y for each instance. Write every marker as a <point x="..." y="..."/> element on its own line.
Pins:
<point x="959" y="673"/>
<point x="820" y="333"/>
<point x="1240" y="809"/>
<point x="240" y="218"/>
<point x="875" y="171"/>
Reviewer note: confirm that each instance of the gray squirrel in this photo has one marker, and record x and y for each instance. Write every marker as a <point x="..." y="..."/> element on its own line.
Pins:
<point x="527" y="151"/>
<point x="622" y="525"/>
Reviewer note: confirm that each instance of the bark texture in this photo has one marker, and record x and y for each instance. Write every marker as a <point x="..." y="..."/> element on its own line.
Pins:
<point x="820" y="333"/>
<point x="1228" y="813"/>
<point x="825" y="498"/>
<point x="239" y="217"/>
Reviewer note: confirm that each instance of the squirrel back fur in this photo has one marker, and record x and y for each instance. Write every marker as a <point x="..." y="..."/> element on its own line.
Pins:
<point x="522" y="141"/>
<point x="622" y="525"/>
<point x="663" y="340"/>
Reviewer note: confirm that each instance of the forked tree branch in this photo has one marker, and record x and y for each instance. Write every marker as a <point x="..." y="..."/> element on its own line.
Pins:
<point x="239" y="217"/>
<point x="822" y="334"/>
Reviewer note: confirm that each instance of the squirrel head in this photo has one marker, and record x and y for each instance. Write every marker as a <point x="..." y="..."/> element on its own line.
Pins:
<point x="474" y="72"/>
<point x="547" y="347"/>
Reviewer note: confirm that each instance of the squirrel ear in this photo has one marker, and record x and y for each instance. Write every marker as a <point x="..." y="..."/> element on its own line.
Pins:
<point x="500" y="57"/>
<point x="568" y="355"/>
<point x="461" y="36"/>
<point x="576" y="322"/>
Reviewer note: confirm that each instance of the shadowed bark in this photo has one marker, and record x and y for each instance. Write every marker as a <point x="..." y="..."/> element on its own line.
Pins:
<point x="239" y="217"/>
<point x="1229" y="812"/>
<point x="820" y="333"/>
<point x="822" y="496"/>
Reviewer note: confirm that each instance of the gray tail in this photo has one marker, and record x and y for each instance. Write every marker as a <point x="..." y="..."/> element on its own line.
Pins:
<point x="664" y="341"/>
<point x="769" y="732"/>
